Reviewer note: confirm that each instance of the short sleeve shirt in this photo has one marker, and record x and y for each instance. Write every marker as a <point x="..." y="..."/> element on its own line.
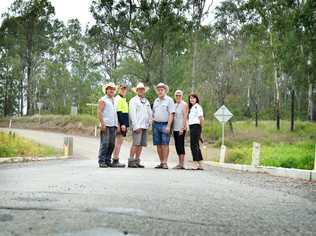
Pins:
<point x="195" y="113"/>
<point x="162" y="108"/>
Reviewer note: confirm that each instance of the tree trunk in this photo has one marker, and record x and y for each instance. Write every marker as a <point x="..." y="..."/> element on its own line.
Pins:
<point x="193" y="63"/>
<point x="310" y="102"/>
<point x="292" y="109"/>
<point x="162" y="61"/>
<point x="21" y="92"/>
<point x="256" y="114"/>
<point x="29" y="95"/>
<point x="277" y="100"/>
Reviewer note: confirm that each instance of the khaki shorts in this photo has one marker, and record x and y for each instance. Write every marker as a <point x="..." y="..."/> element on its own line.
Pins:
<point x="140" y="138"/>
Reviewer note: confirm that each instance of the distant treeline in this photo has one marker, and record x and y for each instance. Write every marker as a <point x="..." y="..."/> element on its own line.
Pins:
<point x="257" y="57"/>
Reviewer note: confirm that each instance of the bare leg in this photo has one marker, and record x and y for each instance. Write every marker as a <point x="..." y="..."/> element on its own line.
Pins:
<point x="160" y="153"/>
<point x="133" y="151"/>
<point x="165" y="153"/>
<point x="118" y="144"/>
<point x="181" y="160"/>
<point x="138" y="152"/>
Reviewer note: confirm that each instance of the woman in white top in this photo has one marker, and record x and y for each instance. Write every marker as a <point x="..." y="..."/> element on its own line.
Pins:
<point x="180" y="127"/>
<point x="196" y="119"/>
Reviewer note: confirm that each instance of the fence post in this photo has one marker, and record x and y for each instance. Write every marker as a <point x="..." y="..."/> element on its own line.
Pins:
<point x="68" y="146"/>
<point x="95" y="131"/>
<point x="205" y="153"/>
<point x="256" y="154"/>
<point x="315" y="159"/>
<point x="222" y="154"/>
<point x="10" y="124"/>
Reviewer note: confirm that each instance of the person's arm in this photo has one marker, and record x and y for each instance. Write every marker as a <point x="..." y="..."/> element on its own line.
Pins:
<point x="150" y="114"/>
<point x="171" y="116"/>
<point x="185" y="116"/>
<point x="201" y="116"/>
<point x="132" y="113"/>
<point x="101" y="107"/>
<point x="170" y="120"/>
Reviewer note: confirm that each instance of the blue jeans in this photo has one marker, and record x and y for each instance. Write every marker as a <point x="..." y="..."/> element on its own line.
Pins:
<point x="160" y="137"/>
<point x="107" y="143"/>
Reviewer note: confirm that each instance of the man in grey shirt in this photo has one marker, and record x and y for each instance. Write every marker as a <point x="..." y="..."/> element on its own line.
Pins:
<point x="163" y="113"/>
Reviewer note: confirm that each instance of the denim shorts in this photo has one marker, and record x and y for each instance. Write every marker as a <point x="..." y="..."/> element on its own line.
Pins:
<point x="160" y="137"/>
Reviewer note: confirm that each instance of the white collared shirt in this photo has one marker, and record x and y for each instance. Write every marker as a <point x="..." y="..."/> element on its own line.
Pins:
<point x="195" y="113"/>
<point x="140" y="113"/>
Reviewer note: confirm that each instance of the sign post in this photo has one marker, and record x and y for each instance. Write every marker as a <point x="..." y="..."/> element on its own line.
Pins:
<point x="223" y="115"/>
<point x="92" y="105"/>
<point x="39" y="106"/>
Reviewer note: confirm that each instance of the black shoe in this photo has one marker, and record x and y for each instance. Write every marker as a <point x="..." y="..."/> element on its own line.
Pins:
<point x="132" y="164"/>
<point x="103" y="165"/>
<point x="117" y="164"/>
<point x="165" y="166"/>
<point x="138" y="164"/>
<point x="160" y="166"/>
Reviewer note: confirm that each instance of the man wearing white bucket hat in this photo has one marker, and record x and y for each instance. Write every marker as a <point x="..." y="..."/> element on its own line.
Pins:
<point x="108" y="124"/>
<point x="140" y="119"/>
<point x="163" y="113"/>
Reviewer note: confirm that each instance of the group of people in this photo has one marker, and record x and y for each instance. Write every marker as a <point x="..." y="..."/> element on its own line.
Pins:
<point x="166" y="116"/>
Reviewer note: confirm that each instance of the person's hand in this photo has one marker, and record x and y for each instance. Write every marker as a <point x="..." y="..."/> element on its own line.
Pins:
<point x="123" y="128"/>
<point x="167" y="130"/>
<point x="138" y="130"/>
<point x="181" y="132"/>
<point x="102" y="127"/>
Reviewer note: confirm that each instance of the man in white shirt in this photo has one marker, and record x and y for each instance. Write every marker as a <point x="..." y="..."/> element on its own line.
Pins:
<point x="140" y="119"/>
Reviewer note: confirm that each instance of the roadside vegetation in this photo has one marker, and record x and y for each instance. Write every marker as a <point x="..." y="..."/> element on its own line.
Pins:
<point x="280" y="148"/>
<point x="12" y="145"/>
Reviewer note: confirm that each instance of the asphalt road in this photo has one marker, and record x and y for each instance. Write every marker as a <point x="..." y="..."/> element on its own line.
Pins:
<point x="75" y="197"/>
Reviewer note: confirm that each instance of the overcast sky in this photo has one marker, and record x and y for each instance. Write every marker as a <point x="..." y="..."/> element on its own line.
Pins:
<point x="68" y="9"/>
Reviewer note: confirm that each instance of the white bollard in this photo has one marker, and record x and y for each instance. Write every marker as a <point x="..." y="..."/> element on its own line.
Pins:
<point x="95" y="131"/>
<point x="10" y="124"/>
<point x="256" y="154"/>
<point x="68" y="146"/>
<point x="222" y="154"/>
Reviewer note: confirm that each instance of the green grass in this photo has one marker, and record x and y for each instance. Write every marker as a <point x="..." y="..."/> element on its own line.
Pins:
<point x="12" y="145"/>
<point x="281" y="148"/>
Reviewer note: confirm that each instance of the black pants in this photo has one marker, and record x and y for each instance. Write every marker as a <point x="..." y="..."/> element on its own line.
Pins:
<point x="179" y="142"/>
<point x="195" y="135"/>
<point x="107" y="143"/>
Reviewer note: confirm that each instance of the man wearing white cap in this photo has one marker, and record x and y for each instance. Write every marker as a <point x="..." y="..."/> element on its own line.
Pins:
<point x="140" y="119"/>
<point x="163" y="113"/>
<point x="108" y="124"/>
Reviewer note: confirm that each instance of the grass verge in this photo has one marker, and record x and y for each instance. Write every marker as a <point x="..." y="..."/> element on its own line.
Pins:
<point x="12" y="145"/>
<point x="279" y="148"/>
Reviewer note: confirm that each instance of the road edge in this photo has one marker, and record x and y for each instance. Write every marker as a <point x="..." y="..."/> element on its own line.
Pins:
<point x="309" y="175"/>
<point x="8" y="160"/>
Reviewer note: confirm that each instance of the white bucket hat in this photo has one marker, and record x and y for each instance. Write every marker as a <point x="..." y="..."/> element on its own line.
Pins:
<point x="162" y="85"/>
<point x="178" y="92"/>
<point x="140" y="85"/>
<point x="104" y="87"/>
